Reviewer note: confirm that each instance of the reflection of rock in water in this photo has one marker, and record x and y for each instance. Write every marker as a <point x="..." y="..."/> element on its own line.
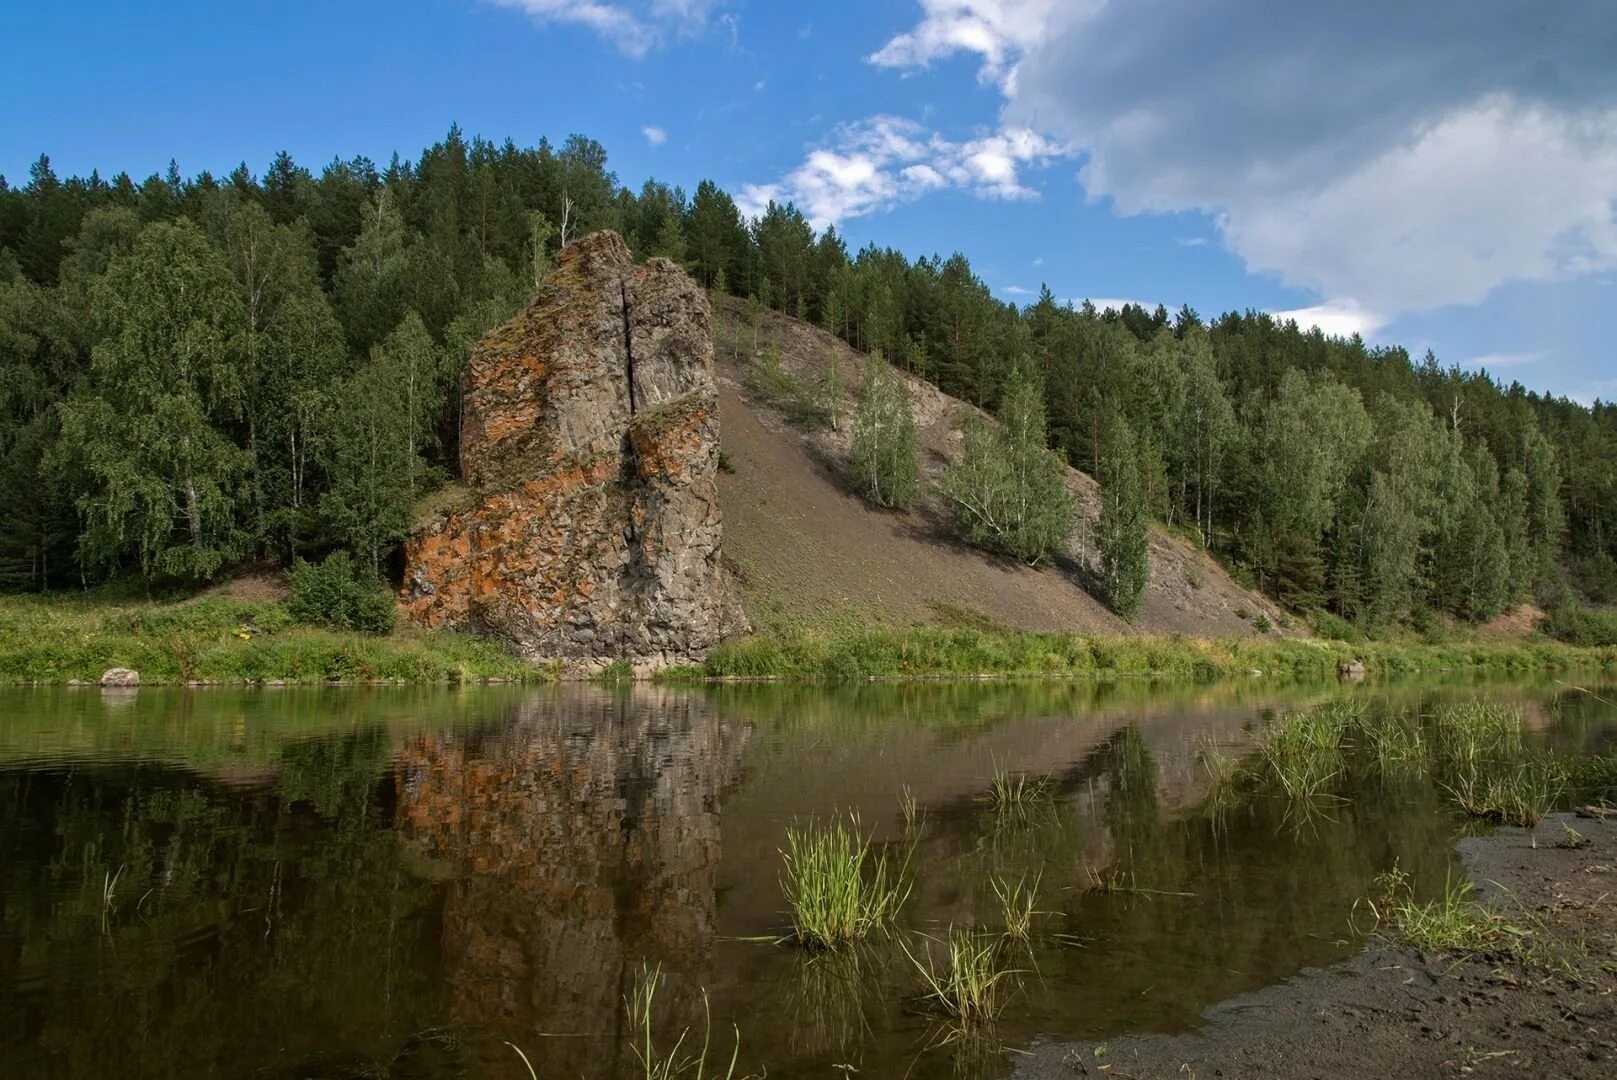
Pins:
<point x="588" y="834"/>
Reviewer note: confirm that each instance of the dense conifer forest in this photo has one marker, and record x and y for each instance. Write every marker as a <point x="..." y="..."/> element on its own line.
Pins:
<point x="200" y="373"/>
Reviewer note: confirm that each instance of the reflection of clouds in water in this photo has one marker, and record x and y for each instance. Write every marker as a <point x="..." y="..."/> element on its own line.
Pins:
<point x="588" y="832"/>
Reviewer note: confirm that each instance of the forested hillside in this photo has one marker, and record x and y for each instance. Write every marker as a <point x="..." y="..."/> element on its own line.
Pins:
<point x="197" y="373"/>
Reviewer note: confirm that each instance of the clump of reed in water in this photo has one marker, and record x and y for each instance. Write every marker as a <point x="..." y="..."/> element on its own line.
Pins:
<point x="840" y="887"/>
<point x="969" y="982"/>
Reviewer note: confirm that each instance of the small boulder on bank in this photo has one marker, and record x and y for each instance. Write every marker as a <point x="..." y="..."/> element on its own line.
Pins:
<point x="1350" y="670"/>
<point x="120" y="677"/>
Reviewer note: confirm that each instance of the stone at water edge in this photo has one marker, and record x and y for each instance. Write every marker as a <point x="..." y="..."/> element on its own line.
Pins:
<point x="589" y="442"/>
<point x="1350" y="670"/>
<point x="121" y="678"/>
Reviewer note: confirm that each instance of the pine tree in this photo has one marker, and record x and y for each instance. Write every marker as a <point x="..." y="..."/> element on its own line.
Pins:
<point x="670" y="241"/>
<point x="539" y="260"/>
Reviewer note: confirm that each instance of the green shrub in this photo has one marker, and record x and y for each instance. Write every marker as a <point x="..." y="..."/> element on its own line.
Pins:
<point x="1597" y="575"/>
<point x="338" y="594"/>
<point x="1334" y="628"/>
<point x="1581" y="626"/>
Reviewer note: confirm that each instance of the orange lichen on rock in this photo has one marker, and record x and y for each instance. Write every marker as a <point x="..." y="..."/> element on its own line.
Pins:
<point x="590" y="441"/>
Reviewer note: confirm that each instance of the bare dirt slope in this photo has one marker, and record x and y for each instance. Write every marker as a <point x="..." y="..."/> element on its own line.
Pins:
<point x="807" y="549"/>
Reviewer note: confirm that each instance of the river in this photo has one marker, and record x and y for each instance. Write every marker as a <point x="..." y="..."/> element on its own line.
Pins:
<point x="356" y="882"/>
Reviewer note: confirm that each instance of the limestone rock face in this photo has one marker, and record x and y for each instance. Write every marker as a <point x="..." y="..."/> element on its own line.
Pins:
<point x="589" y="442"/>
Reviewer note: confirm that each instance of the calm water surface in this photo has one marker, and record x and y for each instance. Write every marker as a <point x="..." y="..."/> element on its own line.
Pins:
<point x="351" y="882"/>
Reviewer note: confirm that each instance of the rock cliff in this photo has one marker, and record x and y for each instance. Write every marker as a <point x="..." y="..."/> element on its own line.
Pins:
<point x="590" y="530"/>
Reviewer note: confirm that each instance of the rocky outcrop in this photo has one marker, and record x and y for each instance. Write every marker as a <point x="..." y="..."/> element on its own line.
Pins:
<point x="589" y="444"/>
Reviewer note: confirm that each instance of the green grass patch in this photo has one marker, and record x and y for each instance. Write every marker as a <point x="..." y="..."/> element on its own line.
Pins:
<point x="58" y="640"/>
<point x="1453" y="922"/>
<point x="966" y="648"/>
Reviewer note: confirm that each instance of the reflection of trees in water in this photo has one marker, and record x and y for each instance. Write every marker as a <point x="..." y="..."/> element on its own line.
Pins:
<point x="588" y="833"/>
<point x="1133" y="813"/>
<point x="248" y="924"/>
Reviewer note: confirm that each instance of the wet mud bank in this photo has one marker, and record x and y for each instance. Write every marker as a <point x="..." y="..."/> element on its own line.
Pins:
<point x="1544" y="1003"/>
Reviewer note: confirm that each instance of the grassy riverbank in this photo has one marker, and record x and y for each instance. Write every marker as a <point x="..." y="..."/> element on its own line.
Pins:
<point x="877" y="652"/>
<point x="63" y="639"/>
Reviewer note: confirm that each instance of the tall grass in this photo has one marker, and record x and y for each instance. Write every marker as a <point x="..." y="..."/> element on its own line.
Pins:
<point x="1518" y="793"/>
<point x="1224" y="778"/>
<point x="1018" y="902"/>
<point x="1396" y="740"/>
<point x="841" y="889"/>
<point x="860" y="651"/>
<point x="677" y="1063"/>
<point x="1476" y="752"/>
<point x="1487" y="769"/>
<point x="969" y="983"/>
<point x="1012" y="792"/>
<point x="1597" y="777"/>
<point x="1302" y="752"/>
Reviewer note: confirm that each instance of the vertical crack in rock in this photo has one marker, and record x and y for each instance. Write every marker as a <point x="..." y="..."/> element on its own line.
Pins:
<point x="589" y="529"/>
<point x="630" y="464"/>
<point x="628" y="344"/>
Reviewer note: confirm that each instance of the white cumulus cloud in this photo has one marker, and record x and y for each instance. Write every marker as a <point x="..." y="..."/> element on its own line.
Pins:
<point x="1390" y="157"/>
<point x="656" y="136"/>
<point x="998" y="31"/>
<point x="1334" y="319"/>
<point x="886" y="160"/>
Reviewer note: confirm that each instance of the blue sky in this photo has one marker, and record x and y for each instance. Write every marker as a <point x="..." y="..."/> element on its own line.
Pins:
<point x="1436" y="175"/>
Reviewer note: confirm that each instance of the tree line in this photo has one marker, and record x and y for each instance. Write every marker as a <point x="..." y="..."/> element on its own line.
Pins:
<point x="201" y="372"/>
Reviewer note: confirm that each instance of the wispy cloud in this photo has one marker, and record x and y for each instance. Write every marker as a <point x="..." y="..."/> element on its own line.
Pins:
<point x="1191" y="241"/>
<point x="634" y="26"/>
<point x="886" y="160"/>
<point x="1016" y="290"/>
<point x="1604" y="390"/>
<point x="656" y="136"/>
<point x="1494" y="361"/>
